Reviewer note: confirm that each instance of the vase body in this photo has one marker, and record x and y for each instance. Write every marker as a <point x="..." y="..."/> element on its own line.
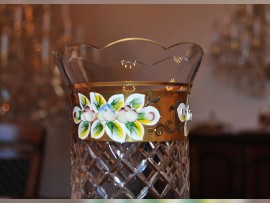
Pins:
<point x="129" y="117"/>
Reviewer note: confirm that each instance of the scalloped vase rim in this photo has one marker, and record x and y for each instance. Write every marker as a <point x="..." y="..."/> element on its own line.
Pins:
<point x="123" y="40"/>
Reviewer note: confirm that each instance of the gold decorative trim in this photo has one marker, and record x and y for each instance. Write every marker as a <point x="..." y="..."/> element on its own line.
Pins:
<point x="167" y="128"/>
<point x="136" y="83"/>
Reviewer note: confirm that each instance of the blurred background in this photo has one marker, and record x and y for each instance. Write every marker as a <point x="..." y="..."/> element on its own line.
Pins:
<point x="230" y="99"/>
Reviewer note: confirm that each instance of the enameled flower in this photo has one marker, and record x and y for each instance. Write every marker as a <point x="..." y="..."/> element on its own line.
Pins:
<point x="134" y="115"/>
<point x="184" y="115"/>
<point x="106" y="121"/>
<point x="114" y="117"/>
<point x="83" y="116"/>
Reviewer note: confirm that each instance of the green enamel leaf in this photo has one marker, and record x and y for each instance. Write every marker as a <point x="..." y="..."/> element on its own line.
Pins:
<point x="113" y="128"/>
<point x="132" y="127"/>
<point x="116" y="131"/>
<point x="97" y="101"/>
<point x="83" y="130"/>
<point x="141" y="116"/>
<point x="135" y="130"/>
<point x="83" y="101"/>
<point x="97" y="129"/>
<point x="116" y="101"/>
<point x="136" y="101"/>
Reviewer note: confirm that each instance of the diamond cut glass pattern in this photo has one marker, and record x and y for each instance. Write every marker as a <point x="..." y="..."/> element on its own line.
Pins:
<point x="130" y="170"/>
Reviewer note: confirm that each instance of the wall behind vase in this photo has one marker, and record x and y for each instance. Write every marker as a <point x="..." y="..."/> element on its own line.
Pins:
<point x="166" y="24"/>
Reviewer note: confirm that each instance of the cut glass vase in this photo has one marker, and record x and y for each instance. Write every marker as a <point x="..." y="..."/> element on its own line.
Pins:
<point x="129" y="116"/>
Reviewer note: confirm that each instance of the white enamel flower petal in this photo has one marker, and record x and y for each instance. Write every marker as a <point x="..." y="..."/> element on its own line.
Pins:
<point x="121" y="116"/>
<point x="127" y="107"/>
<point x="89" y="115"/>
<point x="181" y="111"/>
<point x="83" y="130"/>
<point x="136" y="101"/>
<point x="135" y="130"/>
<point x="149" y="116"/>
<point x="131" y="115"/>
<point x="83" y="117"/>
<point x="116" y="101"/>
<point x="76" y="114"/>
<point x="116" y="131"/>
<point x="101" y="116"/>
<point x="109" y="115"/>
<point x="188" y="114"/>
<point x="83" y="101"/>
<point x="97" y="129"/>
<point x="106" y="113"/>
<point x="97" y="101"/>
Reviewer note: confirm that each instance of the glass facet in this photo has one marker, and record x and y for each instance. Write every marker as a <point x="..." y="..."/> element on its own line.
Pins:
<point x="130" y="117"/>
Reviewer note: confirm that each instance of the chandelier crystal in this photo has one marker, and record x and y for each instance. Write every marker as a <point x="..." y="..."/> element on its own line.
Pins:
<point x="30" y="87"/>
<point x="240" y="49"/>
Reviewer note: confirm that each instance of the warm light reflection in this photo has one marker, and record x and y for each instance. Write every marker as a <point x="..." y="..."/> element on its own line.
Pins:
<point x="129" y="88"/>
<point x="177" y="59"/>
<point x="128" y="64"/>
<point x="170" y="88"/>
<point x="5" y="107"/>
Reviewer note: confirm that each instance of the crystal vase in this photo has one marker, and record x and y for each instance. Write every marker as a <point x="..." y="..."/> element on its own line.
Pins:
<point x="129" y="116"/>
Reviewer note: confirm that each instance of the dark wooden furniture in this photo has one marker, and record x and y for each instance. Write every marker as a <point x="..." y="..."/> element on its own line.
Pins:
<point x="230" y="165"/>
<point x="21" y="153"/>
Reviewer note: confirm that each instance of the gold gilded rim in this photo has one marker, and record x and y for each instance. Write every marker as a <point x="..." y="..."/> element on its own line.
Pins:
<point x="136" y="83"/>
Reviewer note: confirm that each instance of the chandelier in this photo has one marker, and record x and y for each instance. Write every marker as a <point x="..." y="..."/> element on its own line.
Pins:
<point x="30" y="85"/>
<point x="240" y="49"/>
